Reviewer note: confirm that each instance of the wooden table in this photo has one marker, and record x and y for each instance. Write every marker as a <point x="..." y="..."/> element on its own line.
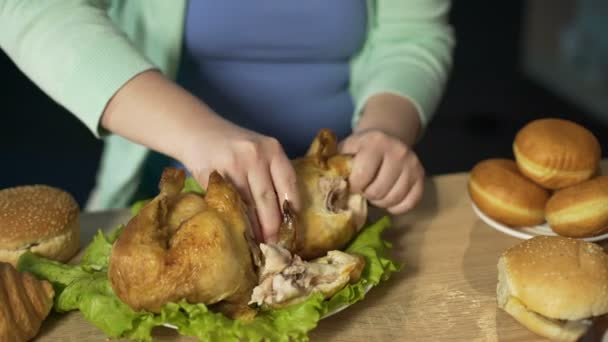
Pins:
<point x="447" y="290"/>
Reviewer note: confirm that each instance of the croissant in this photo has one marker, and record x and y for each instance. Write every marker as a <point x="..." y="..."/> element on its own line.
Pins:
<point x="24" y="303"/>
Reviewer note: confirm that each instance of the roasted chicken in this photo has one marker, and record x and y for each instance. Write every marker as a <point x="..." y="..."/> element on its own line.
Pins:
<point x="185" y="246"/>
<point x="331" y="215"/>
<point x="201" y="248"/>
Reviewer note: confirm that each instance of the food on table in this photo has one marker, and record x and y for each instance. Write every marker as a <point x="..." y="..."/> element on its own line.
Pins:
<point x="286" y="280"/>
<point x="580" y="210"/>
<point x="183" y="246"/>
<point x="38" y="218"/>
<point x="200" y="248"/>
<point x="183" y="249"/>
<point x="554" y="285"/>
<point x="24" y="303"/>
<point x="331" y="215"/>
<point x="84" y="286"/>
<point x="500" y="191"/>
<point x="556" y="153"/>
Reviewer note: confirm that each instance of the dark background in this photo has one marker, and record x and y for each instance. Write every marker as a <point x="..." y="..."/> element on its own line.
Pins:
<point x="487" y="100"/>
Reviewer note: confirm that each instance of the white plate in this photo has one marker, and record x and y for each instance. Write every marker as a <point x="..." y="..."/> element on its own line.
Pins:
<point x="526" y="232"/>
<point x="330" y="313"/>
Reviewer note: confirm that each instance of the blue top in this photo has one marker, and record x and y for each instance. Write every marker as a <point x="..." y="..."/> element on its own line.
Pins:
<point x="280" y="68"/>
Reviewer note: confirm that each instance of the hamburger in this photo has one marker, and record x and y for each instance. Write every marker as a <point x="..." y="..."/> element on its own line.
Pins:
<point x="38" y="218"/>
<point x="555" y="286"/>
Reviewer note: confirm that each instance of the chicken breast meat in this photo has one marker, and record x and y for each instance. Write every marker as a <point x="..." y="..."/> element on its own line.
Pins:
<point x="285" y="279"/>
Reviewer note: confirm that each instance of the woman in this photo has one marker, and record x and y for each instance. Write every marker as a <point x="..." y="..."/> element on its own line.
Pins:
<point x="231" y="85"/>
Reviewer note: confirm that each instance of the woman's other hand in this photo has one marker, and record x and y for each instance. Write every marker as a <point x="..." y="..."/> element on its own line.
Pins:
<point x="385" y="168"/>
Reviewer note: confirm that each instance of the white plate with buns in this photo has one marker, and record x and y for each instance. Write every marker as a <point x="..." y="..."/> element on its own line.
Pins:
<point x="552" y="187"/>
<point x="526" y="232"/>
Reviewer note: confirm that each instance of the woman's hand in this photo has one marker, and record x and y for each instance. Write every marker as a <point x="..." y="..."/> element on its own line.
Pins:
<point x="256" y="165"/>
<point x="385" y="170"/>
<point x="155" y="112"/>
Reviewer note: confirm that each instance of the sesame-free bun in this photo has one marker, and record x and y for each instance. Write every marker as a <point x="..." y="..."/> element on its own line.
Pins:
<point x="556" y="153"/>
<point x="551" y="283"/>
<point x="580" y="210"/>
<point x="38" y="218"/>
<point x="500" y="191"/>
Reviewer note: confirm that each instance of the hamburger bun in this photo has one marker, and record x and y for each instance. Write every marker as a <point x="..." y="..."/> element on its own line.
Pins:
<point x="580" y="210"/>
<point x="500" y="191"/>
<point x="554" y="285"/>
<point x="556" y="153"/>
<point x="38" y="218"/>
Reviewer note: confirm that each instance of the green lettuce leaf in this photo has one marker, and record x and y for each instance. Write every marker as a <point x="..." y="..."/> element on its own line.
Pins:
<point x="85" y="287"/>
<point x="378" y="264"/>
<point x="191" y="185"/>
<point x="97" y="254"/>
<point x="89" y="292"/>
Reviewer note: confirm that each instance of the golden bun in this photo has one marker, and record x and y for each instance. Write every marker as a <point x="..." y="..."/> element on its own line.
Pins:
<point x="550" y="284"/>
<point x="500" y="191"/>
<point x="580" y="210"/>
<point x="39" y="218"/>
<point x="556" y="153"/>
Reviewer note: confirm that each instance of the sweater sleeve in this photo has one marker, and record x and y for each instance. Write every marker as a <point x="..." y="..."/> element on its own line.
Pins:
<point x="408" y="53"/>
<point x="72" y="51"/>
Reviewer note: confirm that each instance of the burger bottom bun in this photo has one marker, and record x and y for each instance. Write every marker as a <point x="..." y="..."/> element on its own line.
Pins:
<point x="60" y="247"/>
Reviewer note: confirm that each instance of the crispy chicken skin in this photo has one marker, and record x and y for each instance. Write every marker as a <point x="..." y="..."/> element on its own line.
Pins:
<point x="330" y="215"/>
<point x="185" y="246"/>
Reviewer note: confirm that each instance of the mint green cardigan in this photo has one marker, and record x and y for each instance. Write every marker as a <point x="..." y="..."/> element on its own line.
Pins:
<point x="81" y="52"/>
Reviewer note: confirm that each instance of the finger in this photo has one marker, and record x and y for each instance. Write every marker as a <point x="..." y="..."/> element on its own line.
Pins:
<point x="350" y="145"/>
<point x="201" y="176"/>
<point x="366" y="164"/>
<point x="385" y="180"/>
<point x="397" y="192"/>
<point x="265" y="199"/>
<point x="410" y="200"/>
<point x="242" y="185"/>
<point x="285" y="181"/>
